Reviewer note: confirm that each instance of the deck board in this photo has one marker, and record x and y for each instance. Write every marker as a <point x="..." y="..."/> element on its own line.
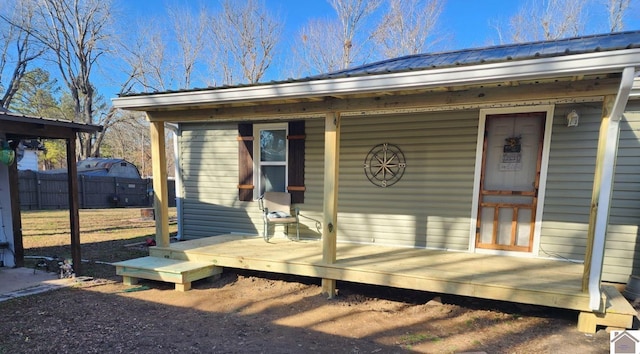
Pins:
<point x="516" y="279"/>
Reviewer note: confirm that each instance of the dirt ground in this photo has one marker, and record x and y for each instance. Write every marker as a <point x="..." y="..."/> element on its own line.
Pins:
<point x="247" y="312"/>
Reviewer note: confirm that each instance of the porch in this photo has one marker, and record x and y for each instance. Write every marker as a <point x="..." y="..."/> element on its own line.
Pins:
<point x="522" y="280"/>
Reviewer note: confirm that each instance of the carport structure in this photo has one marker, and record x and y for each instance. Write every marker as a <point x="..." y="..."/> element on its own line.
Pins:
<point x="15" y="127"/>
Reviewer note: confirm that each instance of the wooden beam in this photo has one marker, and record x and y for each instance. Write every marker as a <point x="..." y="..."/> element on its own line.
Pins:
<point x="36" y="130"/>
<point x="382" y="102"/>
<point x="330" y="206"/>
<point x="16" y="218"/>
<point x="160" y="192"/>
<point x="607" y="106"/>
<point x="74" y="216"/>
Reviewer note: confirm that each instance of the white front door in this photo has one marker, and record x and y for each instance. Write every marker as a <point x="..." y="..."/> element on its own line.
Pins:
<point x="509" y="181"/>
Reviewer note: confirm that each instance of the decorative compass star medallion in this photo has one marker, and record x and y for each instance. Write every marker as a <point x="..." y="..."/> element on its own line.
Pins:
<point x="384" y="165"/>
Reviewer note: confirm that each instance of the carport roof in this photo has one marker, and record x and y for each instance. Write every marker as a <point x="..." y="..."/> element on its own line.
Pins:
<point x="38" y="127"/>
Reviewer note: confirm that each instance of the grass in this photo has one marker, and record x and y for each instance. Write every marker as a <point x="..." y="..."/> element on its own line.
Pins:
<point x="106" y="235"/>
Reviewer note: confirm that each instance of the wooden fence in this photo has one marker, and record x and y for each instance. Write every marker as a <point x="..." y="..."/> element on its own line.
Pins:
<point x="42" y="191"/>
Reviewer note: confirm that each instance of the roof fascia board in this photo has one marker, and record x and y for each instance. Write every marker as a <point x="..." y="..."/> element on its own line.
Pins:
<point x="73" y="126"/>
<point x="579" y="64"/>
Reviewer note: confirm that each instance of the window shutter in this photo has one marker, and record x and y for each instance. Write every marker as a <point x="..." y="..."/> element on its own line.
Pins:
<point x="245" y="162"/>
<point x="296" y="139"/>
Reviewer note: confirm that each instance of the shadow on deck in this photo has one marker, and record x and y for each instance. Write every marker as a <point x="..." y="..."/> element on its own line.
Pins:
<point x="521" y="280"/>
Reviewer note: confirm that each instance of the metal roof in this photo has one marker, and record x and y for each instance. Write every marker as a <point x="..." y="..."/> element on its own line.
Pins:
<point x="496" y="54"/>
<point x="465" y="57"/>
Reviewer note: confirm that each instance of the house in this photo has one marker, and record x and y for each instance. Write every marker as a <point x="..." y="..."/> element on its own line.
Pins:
<point x="15" y="128"/>
<point x="514" y="154"/>
<point x="27" y="154"/>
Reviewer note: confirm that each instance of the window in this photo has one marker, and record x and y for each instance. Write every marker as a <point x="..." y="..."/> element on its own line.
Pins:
<point x="275" y="152"/>
<point x="271" y="161"/>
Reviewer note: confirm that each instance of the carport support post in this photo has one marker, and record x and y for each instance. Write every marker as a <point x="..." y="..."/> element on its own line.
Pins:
<point x="160" y="193"/>
<point x="74" y="216"/>
<point x="18" y="247"/>
<point x="330" y="208"/>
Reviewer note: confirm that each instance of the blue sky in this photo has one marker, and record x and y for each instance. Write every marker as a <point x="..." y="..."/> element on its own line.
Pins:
<point x="466" y="23"/>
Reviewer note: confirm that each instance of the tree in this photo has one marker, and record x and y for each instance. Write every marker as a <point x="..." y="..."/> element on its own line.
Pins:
<point x="160" y="57"/>
<point x="309" y="57"/>
<point x="408" y="27"/>
<point x="546" y="20"/>
<point x="148" y="66"/>
<point x="189" y="32"/>
<point x="55" y="155"/>
<point x="245" y="38"/>
<point x="352" y="15"/>
<point x="335" y="44"/>
<point x="76" y="32"/>
<point x="617" y="10"/>
<point x="555" y="19"/>
<point x="36" y="95"/>
<point x="130" y="139"/>
<point x="17" y="48"/>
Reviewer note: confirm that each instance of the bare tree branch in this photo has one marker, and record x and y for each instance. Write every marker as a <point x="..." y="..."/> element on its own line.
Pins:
<point x="617" y="10"/>
<point x="352" y="14"/>
<point x="548" y="20"/>
<point x="15" y="31"/>
<point x="245" y="36"/>
<point x="409" y="27"/>
<point x="189" y="31"/>
<point x="74" y="31"/>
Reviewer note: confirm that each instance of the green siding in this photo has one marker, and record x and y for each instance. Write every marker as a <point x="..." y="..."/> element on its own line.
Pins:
<point x="622" y="254"/>
<point x="439" y="149"/>
<point x="209" y="163"/>
<point x="568" y="196"/>
<point x="440" y="153"/>
<point x="431" y="205"/>
<point x="565" y="218"/>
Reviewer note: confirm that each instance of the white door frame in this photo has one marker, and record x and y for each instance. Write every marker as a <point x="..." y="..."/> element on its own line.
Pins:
<point x="549" y="109"/>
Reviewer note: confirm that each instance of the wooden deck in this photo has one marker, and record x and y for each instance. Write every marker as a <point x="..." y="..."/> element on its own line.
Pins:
<point x="521" y="280"/>
<point x="515" y="279"/>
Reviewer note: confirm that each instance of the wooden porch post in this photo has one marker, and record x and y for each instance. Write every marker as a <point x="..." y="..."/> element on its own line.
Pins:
<point x="607" y="105"/>
<point x="160" y="193"/>
<point x="330" y="208"/>
<point x="603" y="140"/>
<point x="74" y="216"/>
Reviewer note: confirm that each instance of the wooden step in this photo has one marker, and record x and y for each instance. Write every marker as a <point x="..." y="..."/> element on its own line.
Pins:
<point x="619" y="313"/>
<point x="182" y="273"/>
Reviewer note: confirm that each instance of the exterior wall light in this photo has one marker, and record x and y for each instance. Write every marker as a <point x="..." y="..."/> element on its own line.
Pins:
<point x="572" y="119"/>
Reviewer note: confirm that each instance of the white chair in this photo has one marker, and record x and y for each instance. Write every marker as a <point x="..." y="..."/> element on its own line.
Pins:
<point x="276" y="209"/>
